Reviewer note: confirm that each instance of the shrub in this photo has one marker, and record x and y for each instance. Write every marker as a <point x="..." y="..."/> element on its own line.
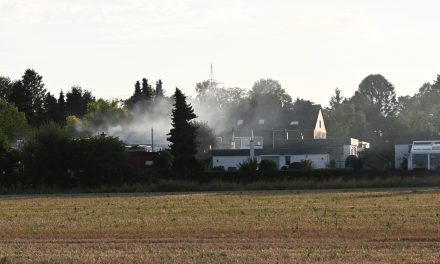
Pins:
<point x="353" y="162"/>
<point x="268" y="165"/>
<point x="251" y="164"/>
<point x="306" y="164"/>
<point x="45" y="155"/>
<point x="163" y="162"/>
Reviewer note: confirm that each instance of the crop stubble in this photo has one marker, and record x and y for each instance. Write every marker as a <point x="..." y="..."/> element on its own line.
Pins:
<point x="394" y="226"/>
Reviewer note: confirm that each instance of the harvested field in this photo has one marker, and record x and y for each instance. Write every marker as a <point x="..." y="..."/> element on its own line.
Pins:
<point x="392" y="226"/>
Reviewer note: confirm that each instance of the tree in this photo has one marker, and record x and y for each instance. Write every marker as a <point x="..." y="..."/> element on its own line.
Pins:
<point x="62" y="109"/>
<point x="202" y="88"/>
<point x="205" y="137"/>
<point x="12" y="122"/>
<point x="183" y="134"/>
<point x="344" y="121"/>
<point x="159" y="93"/>
<point x="77" y="100"/>
<point x="268" y="91"/>
<point x="102" y="113"/>
<point x="51" y="110"/>
<point x="136" y="97"/>
<point x="28" y="95"/>
<point x="336" y="99"/>
<point x="5" y="88"/>
<point x="45" y="155"/>
<point x="377" y="92"/>
<point x="147" y="91"/>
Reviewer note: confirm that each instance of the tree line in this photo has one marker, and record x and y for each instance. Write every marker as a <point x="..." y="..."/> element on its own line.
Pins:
<point x="48" y="126"/>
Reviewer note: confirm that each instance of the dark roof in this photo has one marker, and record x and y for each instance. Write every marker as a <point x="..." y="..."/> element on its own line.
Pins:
<point x="296" y="118"/>
<point x="409" y="139"/>
<point x="310" y="143"/>
<point x="306" y="116"/>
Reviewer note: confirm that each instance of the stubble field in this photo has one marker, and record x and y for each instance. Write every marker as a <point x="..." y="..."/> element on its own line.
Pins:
<point x="374" y="226"/>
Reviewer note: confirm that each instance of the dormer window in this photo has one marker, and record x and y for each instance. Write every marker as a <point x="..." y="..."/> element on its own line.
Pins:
<point x="240" y="122"/>
<point x="294" y="123"/>
<point x="261" y="122"/>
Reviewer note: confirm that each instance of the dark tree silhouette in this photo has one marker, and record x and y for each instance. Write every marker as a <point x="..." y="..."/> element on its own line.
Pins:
<point x="136" y="97"/>
<point x="159" y="93"/>
<point x="51" y="110"/>
<point x="62" y="109"/>
<point x="5" y="88"/>
<point x="183" y="135"/>
<point x="28" y="95"/>
<point x="77" y="100"/>
<point x="378" y="92"/>
<point x="147" y="91"/>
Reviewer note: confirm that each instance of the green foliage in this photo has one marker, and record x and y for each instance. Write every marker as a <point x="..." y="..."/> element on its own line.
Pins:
<point x="270" y="92"/>
<point x="5" y="88"/>
<point x="45" y="155"/>
<point x="344" y="121"/>
<point x="102" y="113"/>
<point x="77" y="100"/>
<point x="268" y="166"/>
<point x="12" y="122"/>
<point x="353" y="162"/>
<point x="28" y="95"/>
<point x="98" y="160"/>
<point x="251" y="164"/>
<point x="205" y="138"/>
<point x="163" y="162"/>
<point x="378" y="92"/>
<point x="183" y="135"/>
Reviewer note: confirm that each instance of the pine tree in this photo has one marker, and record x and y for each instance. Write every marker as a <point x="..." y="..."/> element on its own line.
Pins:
<point x="136" y="97"/>
<point x="51" y="110"/>
<point x="336" y="99"/>
<point x="62" y="109"/>
<point x="159" y="89"/>
<point x="183" y="135"/>
<point x="147" y="91"/>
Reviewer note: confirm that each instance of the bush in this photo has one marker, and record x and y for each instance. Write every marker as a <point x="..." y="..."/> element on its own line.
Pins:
<point x="45" y="156"/>
<point x="163" y="162"/>
<point x="353" y="162"/>
<point x="251" y="164"/>
<point x="302" y="165"/>
<point x="268" y="166"/>
<point x="98" y="160"/>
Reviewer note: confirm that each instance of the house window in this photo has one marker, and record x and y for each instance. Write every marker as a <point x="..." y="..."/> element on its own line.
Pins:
<point x="287" y="158"/>
<point x="261" y="122"/>
<point x="294" y="123"/>
<point x="319" y="123"/>
<point x="240" y="122"/>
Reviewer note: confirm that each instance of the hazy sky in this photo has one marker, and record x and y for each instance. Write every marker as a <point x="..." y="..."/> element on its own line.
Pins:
<point x="310" y="47"/>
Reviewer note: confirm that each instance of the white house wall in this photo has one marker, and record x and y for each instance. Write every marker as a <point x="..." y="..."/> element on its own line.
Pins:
<point x="320" y="161"/>
<point x="228" y="161"/>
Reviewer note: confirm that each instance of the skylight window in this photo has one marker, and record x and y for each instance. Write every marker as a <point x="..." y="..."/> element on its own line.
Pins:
<point x="294" y="123"/>
<point x="261" y="122"/>
<point x="240" y="122"/>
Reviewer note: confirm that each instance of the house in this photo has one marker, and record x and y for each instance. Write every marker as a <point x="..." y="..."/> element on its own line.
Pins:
<point x="266" y="127"/>
<point x="403" y="146"/>
<point x="229" y="159"/>
<point x="424" y="155"/>
<point x="324" y="153"/>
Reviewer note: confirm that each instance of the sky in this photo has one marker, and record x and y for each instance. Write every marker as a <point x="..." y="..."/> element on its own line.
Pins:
<point x="310" y="47"/>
